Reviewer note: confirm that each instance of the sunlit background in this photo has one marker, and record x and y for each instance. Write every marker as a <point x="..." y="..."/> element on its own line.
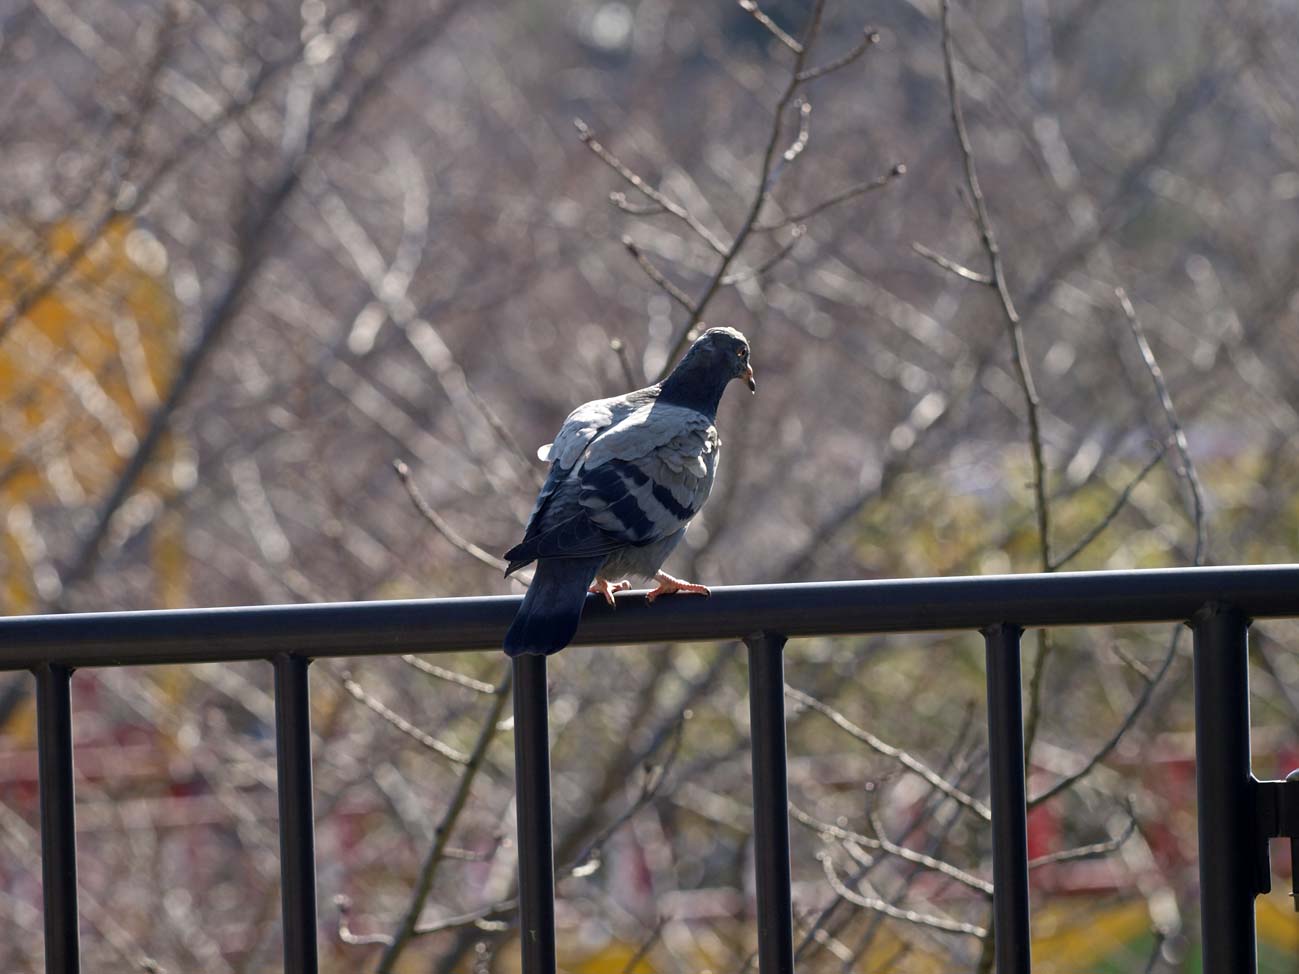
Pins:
<point x="252" y="253"/>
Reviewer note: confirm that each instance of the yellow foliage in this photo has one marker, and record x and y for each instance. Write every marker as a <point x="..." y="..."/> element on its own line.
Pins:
<point x="80" y="373"/>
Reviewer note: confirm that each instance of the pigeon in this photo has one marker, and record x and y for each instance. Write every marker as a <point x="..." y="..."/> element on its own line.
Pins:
<point x="627" y="474"/>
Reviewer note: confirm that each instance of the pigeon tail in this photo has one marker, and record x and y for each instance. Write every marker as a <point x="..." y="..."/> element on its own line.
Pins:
<point x="548" y="617"/>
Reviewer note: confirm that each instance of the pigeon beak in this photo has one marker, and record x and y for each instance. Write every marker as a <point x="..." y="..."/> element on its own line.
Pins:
<point x="747" y="374"/>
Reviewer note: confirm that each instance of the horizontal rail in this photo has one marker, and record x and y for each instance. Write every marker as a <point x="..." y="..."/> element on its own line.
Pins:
<point x="800" y="610"/>
<point x="796" y="610"/>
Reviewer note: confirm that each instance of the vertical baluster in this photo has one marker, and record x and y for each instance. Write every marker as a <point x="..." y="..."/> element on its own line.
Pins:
<point x="1008" y="800"/>
<point x="1224" y="791"/>
<point x="770" y="803"/>
<point x="297" y="819"/>
<point x="532" y="808"/>
<point x="58" y="821"/>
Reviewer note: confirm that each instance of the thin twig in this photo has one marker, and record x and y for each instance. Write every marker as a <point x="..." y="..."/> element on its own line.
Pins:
<point x="884" y="844"/>
<point x="760" y="194"/>
<point x="440" y="523"/>
<point x="668" y="205"/>
<point x="585" y="862"/>
<point x="804" y="109"/>
<point x="389" y="715"/>
<point x="889" y="751"/>
<point x="928" y="862"/>
<point x="1188" y="471"/>
<point x="1132" y="662"/>
<point x="1116" y="508"/>
<point x="658" y="277"/>
<point x="852" y="192"/>
<point x="345" y="933"/>
<point x="1093" y="851"/>
<point x="1019" y="356"/>
<point x="450" y="676"/>
<point x="951" y="266"/>
<point x="442" y="834"/>
<point x="636" y="209"/>
<point x="758" y="270"/>
<point x="888" y="909"/>
<point x="771" y="25"/>
<point x="870" y="38"/>
<point x="1125" y="725"/>
<point x="1170" y="414"/>
<point x="645" y="946"/>
<point x="619" y="348"/>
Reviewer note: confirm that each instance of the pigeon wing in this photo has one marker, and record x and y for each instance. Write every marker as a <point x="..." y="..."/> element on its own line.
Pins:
<point x="648" y="476"/>
<point x="556" y="514"/>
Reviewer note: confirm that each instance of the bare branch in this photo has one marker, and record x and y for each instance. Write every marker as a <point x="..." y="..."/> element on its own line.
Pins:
<point x="1138" y="706"/>
<point x="852" y="192"/>
<point x="951" y="266"/>
<point x="884" y="844"/>
<point x="399" y="722"/>
<point x="344" y="906"/>
<point x="668" y="205"/>
<point x="619" y="348"/>
<point x="804" y="109"/>
<point x="406" y="929"/>
<point x="440" y="523"/>
<point x="636" y="209"/>
<point x="889" y="910"/>
<point x="678" y="344"/>
<point x="1116" y="508"/>
<point x="1093" y="851"/>
<point x="998" y="274"/>
<point x="889" y="751"/>
<point x="771" y="25"/>
<point x="658" y="277"/>
<point x="450" y="676"/>
<point x="758" y="270"/>
<point x="870" y="38"/>
<point x="646" y="945"/>
<point x="1019" y="356"/>
<point x="1170" y="414"/>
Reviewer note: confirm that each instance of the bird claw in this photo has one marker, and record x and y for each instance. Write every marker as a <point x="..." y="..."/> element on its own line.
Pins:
<point x="667" y="585"/>
<point x="602" y="586"/>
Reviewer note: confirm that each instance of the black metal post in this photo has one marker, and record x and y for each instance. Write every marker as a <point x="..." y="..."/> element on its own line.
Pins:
<point x="1009" y="801"/>
<point x="297" y="819"/>
<point x="1224" y="789"/>
<point x="532" y="808"/>
<point x="770" y="803"/>
<point x="58" y="821"/>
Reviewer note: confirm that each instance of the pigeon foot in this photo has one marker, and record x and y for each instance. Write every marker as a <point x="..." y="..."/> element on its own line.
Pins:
<point x="668" y="584"/>
<point x="602" y="586"/>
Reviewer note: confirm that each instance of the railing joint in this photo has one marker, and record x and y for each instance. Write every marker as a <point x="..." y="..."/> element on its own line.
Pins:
<point x="1276" y="816"/>
<point x="1214" y="608"/>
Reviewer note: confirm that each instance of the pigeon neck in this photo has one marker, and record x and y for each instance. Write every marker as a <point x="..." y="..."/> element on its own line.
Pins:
<point x="696" y="388"/>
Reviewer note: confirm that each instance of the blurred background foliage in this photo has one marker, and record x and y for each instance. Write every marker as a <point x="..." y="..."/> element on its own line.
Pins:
<point x="251" y="253"/>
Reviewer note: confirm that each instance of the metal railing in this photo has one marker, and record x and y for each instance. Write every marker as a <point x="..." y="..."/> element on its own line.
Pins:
<point x="1237" y="813"/>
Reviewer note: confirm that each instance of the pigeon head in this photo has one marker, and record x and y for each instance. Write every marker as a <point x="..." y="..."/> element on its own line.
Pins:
<point x="717" y="356"/>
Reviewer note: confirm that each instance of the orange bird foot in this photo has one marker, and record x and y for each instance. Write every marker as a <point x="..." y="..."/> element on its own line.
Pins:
<point x="602" y="586"/>
<point x="667" y="585"/>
